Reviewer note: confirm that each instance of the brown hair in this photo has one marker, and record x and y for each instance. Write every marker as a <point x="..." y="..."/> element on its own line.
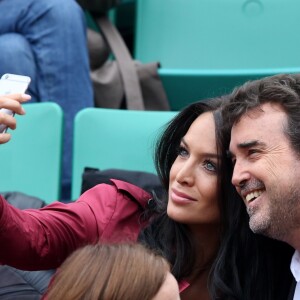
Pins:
<point x="282" y="89"/>
<point x="110" y="272"/>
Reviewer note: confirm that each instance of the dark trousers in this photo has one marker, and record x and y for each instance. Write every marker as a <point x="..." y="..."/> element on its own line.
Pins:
<point x="23" y="285"/>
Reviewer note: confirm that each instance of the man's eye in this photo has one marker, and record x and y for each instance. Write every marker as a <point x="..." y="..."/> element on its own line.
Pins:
<point x="252" y="151"/>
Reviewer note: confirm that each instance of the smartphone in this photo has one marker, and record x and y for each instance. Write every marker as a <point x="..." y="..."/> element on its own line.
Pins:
<point x="12" y="84"/>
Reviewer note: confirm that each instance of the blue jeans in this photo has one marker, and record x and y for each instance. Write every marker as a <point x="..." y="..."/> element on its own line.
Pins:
<point x="46" y="40"/>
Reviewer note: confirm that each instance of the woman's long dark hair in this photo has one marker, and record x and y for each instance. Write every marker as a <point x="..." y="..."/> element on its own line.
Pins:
<point x="247" y="266"/>
<point x="174" y="239"/>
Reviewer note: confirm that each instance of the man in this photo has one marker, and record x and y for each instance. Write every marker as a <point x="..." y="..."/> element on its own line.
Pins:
<point x="264" y="117"/>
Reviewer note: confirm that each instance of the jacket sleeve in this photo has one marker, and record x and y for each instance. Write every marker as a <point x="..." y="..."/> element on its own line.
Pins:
<point x="41" y="239"/>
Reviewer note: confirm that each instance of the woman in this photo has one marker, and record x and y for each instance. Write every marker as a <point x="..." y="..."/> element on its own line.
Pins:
<point x="201" y="227"/>
<point x="114" y="272"/>
<point x="214" y="250"/>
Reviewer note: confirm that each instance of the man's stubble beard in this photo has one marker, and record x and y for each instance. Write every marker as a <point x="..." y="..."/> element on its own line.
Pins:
<point x="280" y="216"/>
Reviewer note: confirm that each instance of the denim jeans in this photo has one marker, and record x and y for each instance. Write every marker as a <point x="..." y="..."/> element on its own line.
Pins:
<point x="46" y="40"/>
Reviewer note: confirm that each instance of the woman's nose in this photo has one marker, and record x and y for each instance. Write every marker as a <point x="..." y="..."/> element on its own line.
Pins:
<point x="185" y="174"/>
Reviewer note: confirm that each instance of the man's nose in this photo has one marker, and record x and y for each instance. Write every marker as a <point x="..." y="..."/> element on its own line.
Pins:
<point x="240" y="174"/>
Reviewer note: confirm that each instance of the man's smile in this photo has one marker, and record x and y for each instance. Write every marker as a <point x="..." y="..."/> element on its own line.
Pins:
<point x="249" y="197"/>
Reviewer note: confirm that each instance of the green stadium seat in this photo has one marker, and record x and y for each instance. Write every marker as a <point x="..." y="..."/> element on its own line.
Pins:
<point x="118" y="139"/>
<point x="208" y="47"/>
<point x="31" y="161"/>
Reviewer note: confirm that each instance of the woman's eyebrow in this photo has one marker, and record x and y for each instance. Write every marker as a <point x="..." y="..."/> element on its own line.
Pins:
<point x="184" y="142"/>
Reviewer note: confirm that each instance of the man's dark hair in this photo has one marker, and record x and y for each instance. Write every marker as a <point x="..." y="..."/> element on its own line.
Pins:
<point x="282" y="89"/>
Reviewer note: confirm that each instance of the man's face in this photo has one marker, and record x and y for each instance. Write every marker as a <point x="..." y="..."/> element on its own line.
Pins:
<point x="267" y="171"/>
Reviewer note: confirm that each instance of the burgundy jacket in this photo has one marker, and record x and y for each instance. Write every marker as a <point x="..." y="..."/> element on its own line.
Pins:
<point x="41" y="239"/>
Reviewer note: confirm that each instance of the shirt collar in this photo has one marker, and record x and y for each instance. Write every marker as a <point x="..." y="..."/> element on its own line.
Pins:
<point x="295" y="266"/>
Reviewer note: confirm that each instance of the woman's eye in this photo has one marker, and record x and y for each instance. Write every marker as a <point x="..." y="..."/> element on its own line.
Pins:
<point x="210" y="166"/>
<point x="182" y="151"/>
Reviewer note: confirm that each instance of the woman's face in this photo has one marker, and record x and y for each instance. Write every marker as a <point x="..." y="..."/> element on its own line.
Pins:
<point x="193" y="176"/>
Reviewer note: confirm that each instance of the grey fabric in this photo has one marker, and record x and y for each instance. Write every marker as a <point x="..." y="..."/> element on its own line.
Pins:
<point x="125" y="63"/>
<point x="23" y="285"/>
<point x="123" y="82"/>
<point x="109" y="92"/>
<point x="98" y="49"/>
<point x="23" y="201"/>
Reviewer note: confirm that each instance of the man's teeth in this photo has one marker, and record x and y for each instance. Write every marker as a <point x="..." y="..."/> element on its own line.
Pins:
<point x="253" y="195"/>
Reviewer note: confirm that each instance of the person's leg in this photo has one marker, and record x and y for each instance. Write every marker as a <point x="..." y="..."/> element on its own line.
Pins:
<point x="56" y="32"/>
<point x="16" y="57"/>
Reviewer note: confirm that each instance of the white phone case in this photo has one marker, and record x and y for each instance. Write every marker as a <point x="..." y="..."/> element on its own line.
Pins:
<point x="11" y="84"/>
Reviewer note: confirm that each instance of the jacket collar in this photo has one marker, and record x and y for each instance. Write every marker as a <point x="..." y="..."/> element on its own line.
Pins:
<point x="141" y="196"/>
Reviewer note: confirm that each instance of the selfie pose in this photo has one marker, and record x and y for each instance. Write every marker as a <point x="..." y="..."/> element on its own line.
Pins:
<point x="200" y="226"/>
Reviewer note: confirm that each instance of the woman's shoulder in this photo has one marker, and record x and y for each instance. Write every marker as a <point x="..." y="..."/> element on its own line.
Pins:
<point x="117" y="208"/>
<point x="117" y="189"/>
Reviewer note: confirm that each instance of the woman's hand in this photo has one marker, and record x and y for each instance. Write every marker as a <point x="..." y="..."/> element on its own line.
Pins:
<point x="12" y="102"/>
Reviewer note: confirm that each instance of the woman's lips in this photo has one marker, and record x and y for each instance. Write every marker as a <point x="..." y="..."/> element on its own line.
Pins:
<point x="181" y="198"/>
